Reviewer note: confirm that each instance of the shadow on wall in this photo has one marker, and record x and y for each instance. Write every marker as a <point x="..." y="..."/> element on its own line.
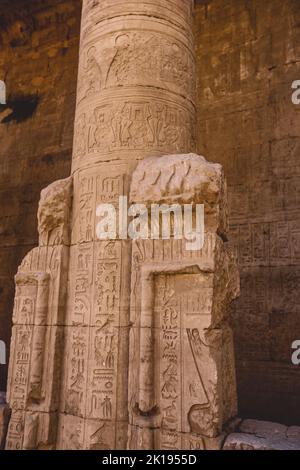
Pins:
<point x="18" y="109"/>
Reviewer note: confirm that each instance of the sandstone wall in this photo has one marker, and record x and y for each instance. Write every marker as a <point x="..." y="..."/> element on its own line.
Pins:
<point x="38" y="61"/>
<point x="248" y="56"/>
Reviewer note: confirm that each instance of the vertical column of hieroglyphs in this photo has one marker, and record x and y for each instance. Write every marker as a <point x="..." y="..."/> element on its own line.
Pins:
<point x="36" y="346"/>
<point x="135" y="98"/>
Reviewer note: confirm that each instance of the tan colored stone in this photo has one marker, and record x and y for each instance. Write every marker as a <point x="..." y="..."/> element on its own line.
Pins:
<point x="54" y="213"/>
<point x="35" y="366"/>
<point x="4" y="420"/>
<point x="120" y="344"/>
<point x="182" y="377"/>
<point x="183" y="179"/>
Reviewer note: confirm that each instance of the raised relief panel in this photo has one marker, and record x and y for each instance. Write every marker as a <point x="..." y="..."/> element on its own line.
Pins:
<point x="94" y="187"/>
<point x="100" y="435"/>
<point x="107" y="282"/>
<point x="79" y="301"/>
<point x="136" y="125"/>
<point x="101" y="395"/>
<point x="186" y="372"/>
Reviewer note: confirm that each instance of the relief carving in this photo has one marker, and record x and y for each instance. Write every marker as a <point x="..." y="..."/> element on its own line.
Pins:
<point x="176" y="302"/>
<point x="124" y="343"/>
<point x="54" y="213"/>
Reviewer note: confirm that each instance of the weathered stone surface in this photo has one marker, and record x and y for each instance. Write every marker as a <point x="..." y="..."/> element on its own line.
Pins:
<point x="293" y="434"/>
<point x="263" y="435"/>
<point x="35" y="366"/>
<point x="4" y="420"/>
<point x="247" y="58"/>
<point x="183" y="179"/>
<point x="182" y="378"/>
<point x="118" y="343"/>
<point x="263" y="429"/>
<point x="54" y="213"/>
<point x="240" y="441"/>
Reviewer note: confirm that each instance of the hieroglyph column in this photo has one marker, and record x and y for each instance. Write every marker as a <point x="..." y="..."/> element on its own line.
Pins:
<point x="135" y="99"/>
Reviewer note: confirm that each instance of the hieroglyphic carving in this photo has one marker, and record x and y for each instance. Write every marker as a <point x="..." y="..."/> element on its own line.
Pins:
<point x="160" y="61"/>
<point x="92" y="188"/>
<point x="102" y="375"/>
<point x="39" y="309"/>
<point x="178" y="300"/>
<point x="91" y="71"/>
<point x="182" y="383"/>
<point x="185" y="396"/>
<point x="86" y="208"/>
<point x="124" y="116"/>
<point x="107" y="281"/>
<point x="22" y="336"/>
<point x="275" y="243"/>
<point x="15" y="435"/>
<point x="137" y="125"/>
<point x="170" y="63"/>
<point x="76" y="370"/>
<point x="30" y="315"/>
<point x="82" y="283"/>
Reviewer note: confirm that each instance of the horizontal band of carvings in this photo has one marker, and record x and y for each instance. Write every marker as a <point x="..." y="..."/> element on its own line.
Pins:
<point x="144" y="123"/>
<point x="115" y="98"/>
<point x="177" y="13"/>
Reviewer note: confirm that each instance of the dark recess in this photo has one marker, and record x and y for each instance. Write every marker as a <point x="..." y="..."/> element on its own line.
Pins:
<point x="21" y="107"/>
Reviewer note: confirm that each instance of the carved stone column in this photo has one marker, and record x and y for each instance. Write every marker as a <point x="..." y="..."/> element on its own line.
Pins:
<point x="135" y="99"/>
<point x="76" y="381"/>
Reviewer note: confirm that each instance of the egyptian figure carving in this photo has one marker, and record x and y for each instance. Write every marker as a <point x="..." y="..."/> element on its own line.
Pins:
<point x="134" y="125"/>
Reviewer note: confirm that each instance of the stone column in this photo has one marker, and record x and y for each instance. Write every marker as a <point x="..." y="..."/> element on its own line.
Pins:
<point x="89" y="387"/>
<point x="135" y="99"/>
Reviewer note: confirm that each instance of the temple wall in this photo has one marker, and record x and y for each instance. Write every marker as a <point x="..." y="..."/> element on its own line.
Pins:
<point x="248" y="57"/>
